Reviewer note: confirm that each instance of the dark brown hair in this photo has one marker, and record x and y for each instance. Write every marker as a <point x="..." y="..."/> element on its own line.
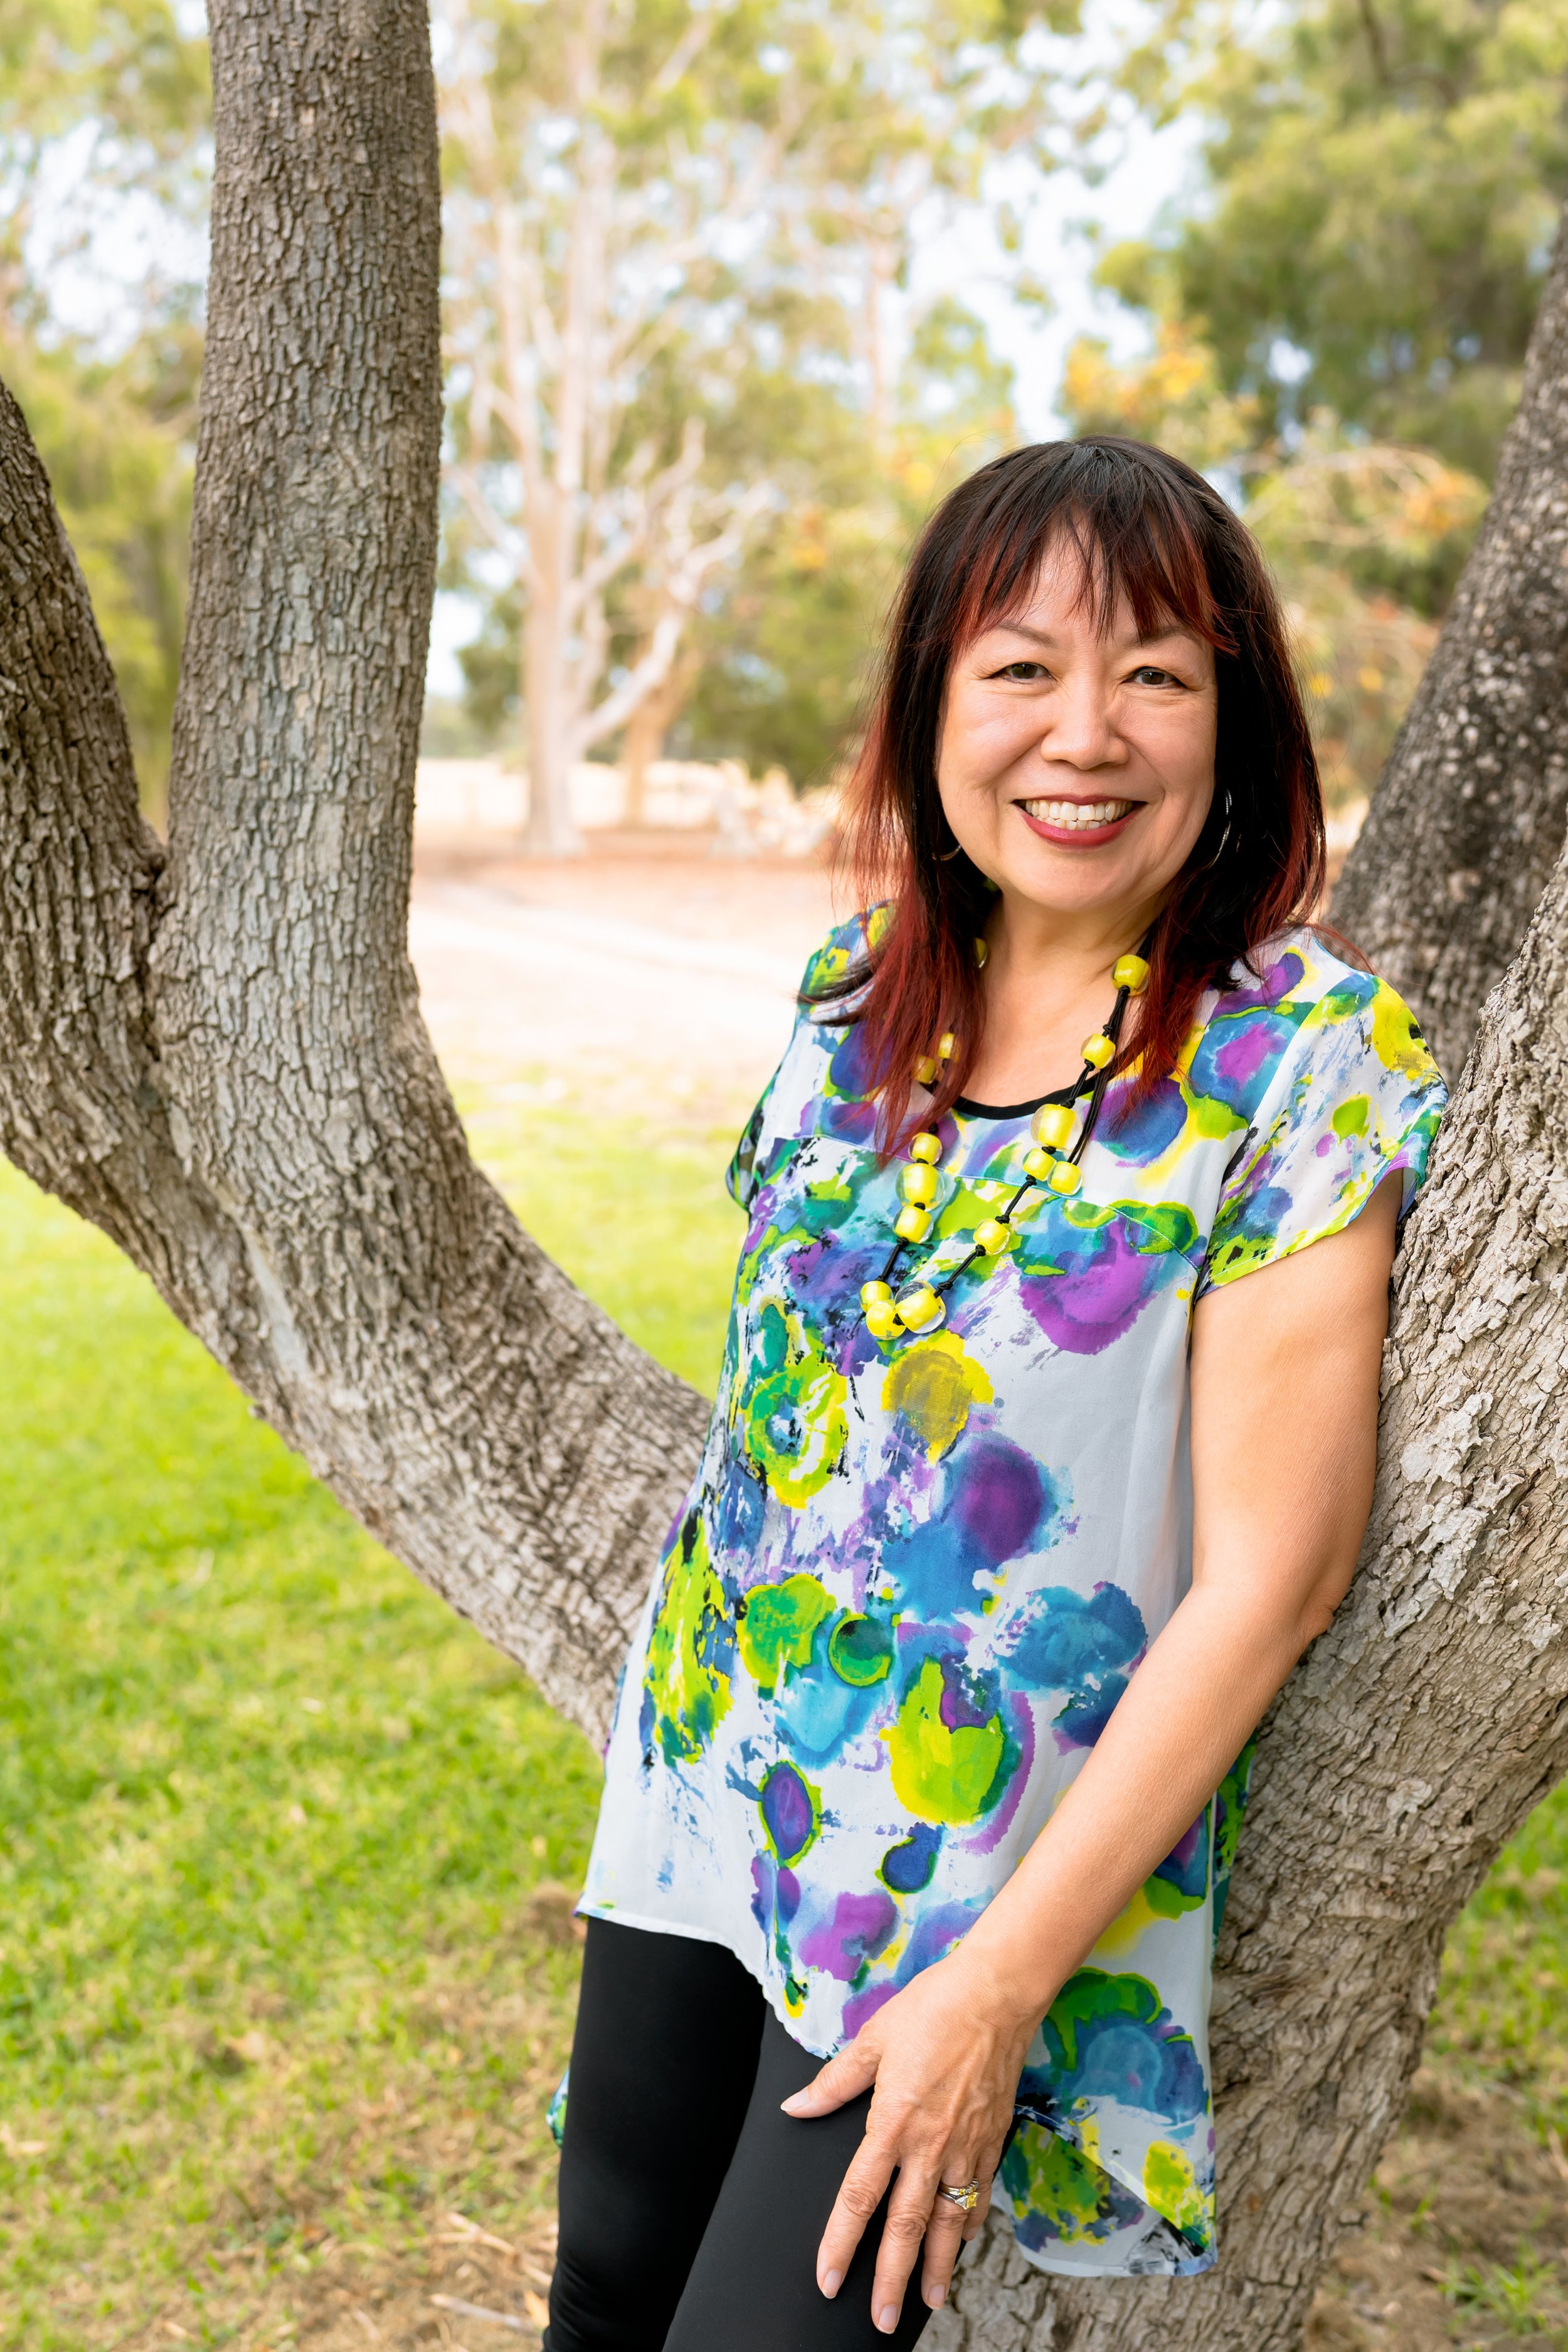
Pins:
<point x="1153" y="532"/>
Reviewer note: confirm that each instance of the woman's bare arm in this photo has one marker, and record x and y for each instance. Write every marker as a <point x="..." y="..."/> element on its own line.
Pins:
<point x="1285" y="1369"/>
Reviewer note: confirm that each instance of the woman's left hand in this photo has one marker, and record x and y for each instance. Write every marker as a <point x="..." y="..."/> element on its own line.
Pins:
<point x="944" y="2056"/>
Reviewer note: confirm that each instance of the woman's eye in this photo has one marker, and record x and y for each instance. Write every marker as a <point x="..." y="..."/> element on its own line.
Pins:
<point x="1147" y="674"/>
<point x="1024" y="672"/>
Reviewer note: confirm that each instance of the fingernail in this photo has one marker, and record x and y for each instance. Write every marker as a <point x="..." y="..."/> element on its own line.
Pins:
<point x="830" y="2281"/>
<point x="793" y="2100"/>
<point x="887" y="2318"/>
<point x="935" y="2297"/>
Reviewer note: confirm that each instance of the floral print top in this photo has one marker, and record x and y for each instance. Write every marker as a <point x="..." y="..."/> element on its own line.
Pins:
<point x="912" y="1577"/>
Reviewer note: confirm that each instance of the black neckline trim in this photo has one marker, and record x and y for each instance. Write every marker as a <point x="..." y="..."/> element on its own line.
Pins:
<point x="1000" y="1110"/>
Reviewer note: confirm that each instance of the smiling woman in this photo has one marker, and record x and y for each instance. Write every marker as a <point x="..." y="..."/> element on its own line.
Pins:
<point x="1019" y="1501"/>
<point x="1086" y="625"/>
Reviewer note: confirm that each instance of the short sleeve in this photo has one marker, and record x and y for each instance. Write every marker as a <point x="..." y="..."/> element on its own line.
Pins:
<point x="1357" y="1098"/>
<point x="740" y="1176"/>
<point x="829" y="962"/>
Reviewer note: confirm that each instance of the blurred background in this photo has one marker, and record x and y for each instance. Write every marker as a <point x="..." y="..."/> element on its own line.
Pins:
<point x="734" y="294"/>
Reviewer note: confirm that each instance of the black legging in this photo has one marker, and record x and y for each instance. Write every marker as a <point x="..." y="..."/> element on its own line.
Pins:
<point x="690" y="2209"/>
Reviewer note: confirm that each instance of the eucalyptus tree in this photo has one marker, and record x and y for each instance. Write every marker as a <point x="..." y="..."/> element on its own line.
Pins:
<point x="645" y="199"/>
<point x="214" y="1051"/>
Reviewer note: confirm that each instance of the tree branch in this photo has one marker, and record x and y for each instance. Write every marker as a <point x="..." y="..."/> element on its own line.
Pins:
<point x="244" y="1094"/>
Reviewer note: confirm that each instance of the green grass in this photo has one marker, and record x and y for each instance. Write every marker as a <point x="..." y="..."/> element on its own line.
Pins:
<point x="282" y="1842"/>
<point x="272" y="1821"/>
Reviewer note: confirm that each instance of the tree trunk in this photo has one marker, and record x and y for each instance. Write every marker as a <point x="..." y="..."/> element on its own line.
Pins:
<point x="221" y="1061"/>
<point x="1418" y="1733"/>
<point x="1468" y="820"/>
<point x="650" y="723"/>
<point x="551" y="830"/>
<point x="224" y="1065"/>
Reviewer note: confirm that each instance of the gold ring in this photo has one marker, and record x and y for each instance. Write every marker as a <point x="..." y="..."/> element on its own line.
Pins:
<point x="967" y="2197"/>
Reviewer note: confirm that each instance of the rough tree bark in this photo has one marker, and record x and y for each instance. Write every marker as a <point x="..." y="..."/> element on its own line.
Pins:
<point x="1467" y="820"/>
<point x="219" y="1059"/>
<point x="1421" y="1729"/>
<point x="223" y="1063"/>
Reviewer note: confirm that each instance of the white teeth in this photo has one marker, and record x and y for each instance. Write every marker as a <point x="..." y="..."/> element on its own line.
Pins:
<point x="1078" y="817"/>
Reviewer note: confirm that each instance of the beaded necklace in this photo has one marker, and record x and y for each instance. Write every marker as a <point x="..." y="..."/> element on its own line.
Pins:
<point x="917" y="1304"/>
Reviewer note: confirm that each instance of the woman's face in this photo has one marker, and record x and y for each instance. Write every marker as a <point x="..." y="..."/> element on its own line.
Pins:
<point x="1076" y="769"/>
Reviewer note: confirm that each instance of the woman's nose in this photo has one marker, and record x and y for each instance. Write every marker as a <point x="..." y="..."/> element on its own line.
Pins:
<point x="1082" y="731"/>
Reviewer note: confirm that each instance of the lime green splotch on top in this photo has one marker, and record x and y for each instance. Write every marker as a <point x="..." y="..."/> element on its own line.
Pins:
<point x="942" y="1774"/>
<point x="687" y="1682"/>
<point x="1066" y="2195"/>
<point x="793" y="1407"/>
<point x="1172" y="2187"/>
<point x="933" y="1385"/>
<point x="778" y="1626"/>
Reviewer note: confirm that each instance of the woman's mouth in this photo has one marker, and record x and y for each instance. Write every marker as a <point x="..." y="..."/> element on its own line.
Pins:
<point x="1091" y="821"/>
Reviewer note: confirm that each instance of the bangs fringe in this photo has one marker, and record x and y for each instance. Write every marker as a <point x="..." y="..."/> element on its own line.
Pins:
<point x="1148" y="532"/>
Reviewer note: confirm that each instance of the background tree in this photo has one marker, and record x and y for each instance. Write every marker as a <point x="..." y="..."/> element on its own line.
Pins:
<point x="216" y="1054"/>
<point x="104" y="113"/>
<point x="1383" y="177"/>
<point x="772" y="672"/>
<point x="656" y="209"/>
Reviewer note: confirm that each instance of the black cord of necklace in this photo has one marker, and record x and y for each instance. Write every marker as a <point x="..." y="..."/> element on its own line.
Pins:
<point x="1089" y="1081"/>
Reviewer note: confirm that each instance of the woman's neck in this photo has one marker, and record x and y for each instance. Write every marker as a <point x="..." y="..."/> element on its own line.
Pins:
<point x="1047" y="986"/>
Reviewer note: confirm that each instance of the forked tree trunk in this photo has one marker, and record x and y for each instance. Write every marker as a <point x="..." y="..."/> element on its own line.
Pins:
<point x="1468" y="820"/>
<point x="224" y="1065"/>
<point x="220" y="1060"/>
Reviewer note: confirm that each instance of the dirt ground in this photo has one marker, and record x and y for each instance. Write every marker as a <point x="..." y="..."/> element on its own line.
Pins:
<point x="1463" y="2186"/>
<point x="647" y="978"/>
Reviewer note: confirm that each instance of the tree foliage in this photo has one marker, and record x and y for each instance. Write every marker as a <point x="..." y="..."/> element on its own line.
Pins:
<point x="1385" y="177"/>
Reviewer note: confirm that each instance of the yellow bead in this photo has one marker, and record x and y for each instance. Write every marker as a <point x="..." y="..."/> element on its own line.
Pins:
<point x="944" y="1046"/>
<point x="876" y="1294"/>
<point x="920" y="1307"/>
<point x="1098" y="1050"/>
<point x="913" y="1223"/>
<point x="919" y="1183"/>
<point x="1038" y="1162"/>
<point x="1052" y="1124"/>
<point x="925" y="1070"/>
<point x="992" y="1236"/>
<point x="1064" y="1176"/>
<point x="1130" y="972"/>
<point x="982" y="950"/>
<point x="882" y="1319"/>
<point x="926" y="1146"/>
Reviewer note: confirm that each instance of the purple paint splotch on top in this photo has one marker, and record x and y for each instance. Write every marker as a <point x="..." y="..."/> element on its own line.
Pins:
<point x="861" y="1926"/>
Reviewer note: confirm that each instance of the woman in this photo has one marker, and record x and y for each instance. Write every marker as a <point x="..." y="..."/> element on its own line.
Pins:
<point x="1044" y="1446"/>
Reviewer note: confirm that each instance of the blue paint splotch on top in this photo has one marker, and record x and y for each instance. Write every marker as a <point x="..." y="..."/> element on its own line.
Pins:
<point x="1083" y="1646"/>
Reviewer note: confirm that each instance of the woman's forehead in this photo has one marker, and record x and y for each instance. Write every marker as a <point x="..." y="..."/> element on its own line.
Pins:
<point x="1076" y="586"/>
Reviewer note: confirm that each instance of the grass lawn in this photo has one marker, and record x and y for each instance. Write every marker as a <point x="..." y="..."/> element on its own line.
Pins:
<point x="286" y="1853"/>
